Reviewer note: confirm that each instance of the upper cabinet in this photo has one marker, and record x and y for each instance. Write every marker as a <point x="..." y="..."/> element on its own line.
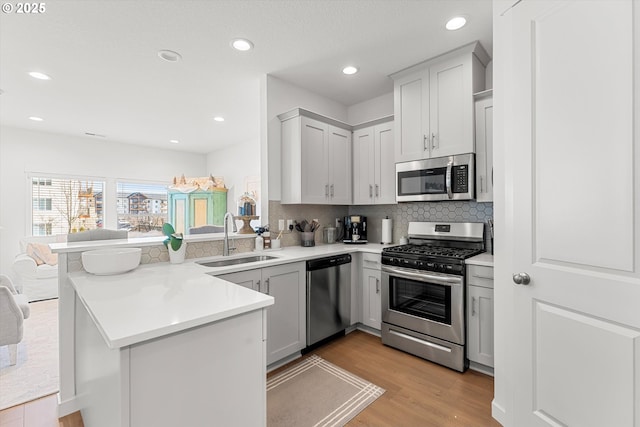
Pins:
<point x="373" y="165"/>
<point x="316" y="159"/>
<point x="433" y="104"/>
<point x="484" y="146"/>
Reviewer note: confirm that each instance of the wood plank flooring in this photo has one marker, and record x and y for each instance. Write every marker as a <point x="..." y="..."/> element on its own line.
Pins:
<point x="418" y="393"/>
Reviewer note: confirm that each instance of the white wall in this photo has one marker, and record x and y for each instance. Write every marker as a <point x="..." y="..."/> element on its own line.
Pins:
<point x="23" y="152"/>
<point x="375" y="108"/>
<point x="237" y="164"/>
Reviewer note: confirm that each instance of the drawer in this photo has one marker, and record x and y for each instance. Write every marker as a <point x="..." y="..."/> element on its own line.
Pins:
<point x="371" y="260"/>
<point x="479" y="275"/>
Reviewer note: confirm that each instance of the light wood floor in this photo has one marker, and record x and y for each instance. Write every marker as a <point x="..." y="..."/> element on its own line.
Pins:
<point x="418" y="393"/>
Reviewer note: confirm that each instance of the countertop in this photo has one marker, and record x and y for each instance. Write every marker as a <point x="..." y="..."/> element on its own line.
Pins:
<point x="162" y="298"/>
<point x="485" y="259"/>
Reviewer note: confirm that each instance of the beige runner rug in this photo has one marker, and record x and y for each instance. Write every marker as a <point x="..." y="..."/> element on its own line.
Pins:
<point x="315" y="392"/>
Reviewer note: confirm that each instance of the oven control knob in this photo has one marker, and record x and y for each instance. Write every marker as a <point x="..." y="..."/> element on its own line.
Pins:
<point x="521" y="279"/>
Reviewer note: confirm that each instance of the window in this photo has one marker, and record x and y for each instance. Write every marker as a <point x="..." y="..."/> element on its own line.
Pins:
<point x="141" y="207"/>
<point x="65" y="205"/>
<point x="42" y="204"/>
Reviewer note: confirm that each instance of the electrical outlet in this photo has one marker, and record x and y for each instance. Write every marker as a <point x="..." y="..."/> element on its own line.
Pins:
<point x="337" y="222"/>
<point x="281" y="224"/>
<point x="289" y="224"/>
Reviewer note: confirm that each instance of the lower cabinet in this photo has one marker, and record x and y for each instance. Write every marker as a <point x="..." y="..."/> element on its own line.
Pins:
<point x="371" y="291"/>
<point x="480" y="314"/>
<point x="286" y="319"/>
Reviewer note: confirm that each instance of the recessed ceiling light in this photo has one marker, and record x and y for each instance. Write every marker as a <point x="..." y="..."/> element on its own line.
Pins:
<point x="38" y="75"/>
<point x="218" y="119"/>
<point x="169" y="55"/>
<point x="242" y="44"/>
<point x="456" y="23"/>
<point x="350" y="69"/>
<point x="36" y="119"/>
<point x="174" y="141"/>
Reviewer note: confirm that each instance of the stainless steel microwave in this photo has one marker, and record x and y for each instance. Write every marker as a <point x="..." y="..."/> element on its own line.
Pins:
<point x="441" y="178"/>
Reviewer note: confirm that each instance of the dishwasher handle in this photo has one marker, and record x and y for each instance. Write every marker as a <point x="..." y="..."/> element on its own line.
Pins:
<point x="318" y="264"/>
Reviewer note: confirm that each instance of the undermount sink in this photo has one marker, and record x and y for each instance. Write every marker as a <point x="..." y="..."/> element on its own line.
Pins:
<point x="235" y="261"/>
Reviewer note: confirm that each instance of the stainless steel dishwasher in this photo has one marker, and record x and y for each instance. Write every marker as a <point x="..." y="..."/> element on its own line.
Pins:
<point x="328" y="297"/>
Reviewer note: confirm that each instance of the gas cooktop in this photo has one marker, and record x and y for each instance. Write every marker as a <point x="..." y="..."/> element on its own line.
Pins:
<point x="431" y="251"/>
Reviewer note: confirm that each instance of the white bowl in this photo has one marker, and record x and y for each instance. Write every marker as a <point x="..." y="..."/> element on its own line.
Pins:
<point x="104" y="262"/>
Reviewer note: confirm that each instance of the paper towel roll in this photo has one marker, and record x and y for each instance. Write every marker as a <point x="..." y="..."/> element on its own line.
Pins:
<point x="387" y="227"/>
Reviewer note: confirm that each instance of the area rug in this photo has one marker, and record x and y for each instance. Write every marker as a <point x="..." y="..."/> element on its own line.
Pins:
<point x="315" y="392"/>
<point x="36" y="372"/>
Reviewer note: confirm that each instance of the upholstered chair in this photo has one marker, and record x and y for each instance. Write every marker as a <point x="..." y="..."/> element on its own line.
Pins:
<point x="14" y="308"/>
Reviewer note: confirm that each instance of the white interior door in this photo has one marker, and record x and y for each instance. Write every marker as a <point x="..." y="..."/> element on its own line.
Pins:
<point x="570" y="339"/>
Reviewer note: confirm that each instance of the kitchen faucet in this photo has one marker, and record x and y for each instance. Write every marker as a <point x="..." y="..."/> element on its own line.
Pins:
<point x="225" y="248"/>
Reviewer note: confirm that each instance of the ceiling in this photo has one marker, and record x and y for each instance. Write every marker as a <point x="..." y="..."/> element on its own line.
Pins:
<point x="107" y="79"/>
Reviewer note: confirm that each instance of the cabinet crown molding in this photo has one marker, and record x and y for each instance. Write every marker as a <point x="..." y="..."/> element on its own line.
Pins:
<point x="474" y="48"/>
<point x="306" y="113"/>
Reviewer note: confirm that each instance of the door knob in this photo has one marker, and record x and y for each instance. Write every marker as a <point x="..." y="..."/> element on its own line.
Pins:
<point x="521" y="279"/>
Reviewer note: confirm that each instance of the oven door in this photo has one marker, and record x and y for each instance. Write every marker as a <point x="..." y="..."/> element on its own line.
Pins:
<point x="425" y="302"/>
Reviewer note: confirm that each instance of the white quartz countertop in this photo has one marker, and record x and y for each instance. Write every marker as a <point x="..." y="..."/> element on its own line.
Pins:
<point x="162" y="298"/>
<point x="485" y="259"/>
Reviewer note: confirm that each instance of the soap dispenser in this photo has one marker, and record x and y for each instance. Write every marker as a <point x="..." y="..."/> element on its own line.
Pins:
<point x="259" y="242"/>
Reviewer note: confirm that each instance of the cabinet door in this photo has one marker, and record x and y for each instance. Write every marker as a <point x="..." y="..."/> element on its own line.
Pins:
<point x="480" y="324"/>
<point x="339" y="166"/>
<point x="484" y="150"/>
<point x="249" y="279"/>
<point x="411" y="112"/>
<point x="451" y="107"/>
<point x="364" y="158"/>
<point x="315" y="160"/>
<point x="384" y="189"/>
<point x="286" y="332"/>
<point x="371" y="298"/>
<point x="201" y="209"/>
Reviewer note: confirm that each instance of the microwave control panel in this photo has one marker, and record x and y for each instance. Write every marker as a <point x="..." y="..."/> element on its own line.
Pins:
<point x="460" y="179"/>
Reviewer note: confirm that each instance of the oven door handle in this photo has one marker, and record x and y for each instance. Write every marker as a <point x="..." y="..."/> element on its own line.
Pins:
<point x="424" y="276"/>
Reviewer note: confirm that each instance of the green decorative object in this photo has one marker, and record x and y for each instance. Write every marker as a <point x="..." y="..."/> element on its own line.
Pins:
<point x="172" y="237"/>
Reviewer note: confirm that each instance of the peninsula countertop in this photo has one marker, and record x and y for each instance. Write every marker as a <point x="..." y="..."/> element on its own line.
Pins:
<point x="163" y="298"/>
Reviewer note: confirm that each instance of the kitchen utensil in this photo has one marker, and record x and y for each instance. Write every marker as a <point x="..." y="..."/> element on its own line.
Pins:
<point x="307" y="239"/>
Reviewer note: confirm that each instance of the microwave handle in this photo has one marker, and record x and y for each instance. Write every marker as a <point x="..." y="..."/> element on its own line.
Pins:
<point x="448" y="179"/>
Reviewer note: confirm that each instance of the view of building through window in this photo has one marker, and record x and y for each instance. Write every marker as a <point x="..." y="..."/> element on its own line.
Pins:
<point x="62" y="206"/>
<point x="142" y="208"/>
<point x="69" y="205"/>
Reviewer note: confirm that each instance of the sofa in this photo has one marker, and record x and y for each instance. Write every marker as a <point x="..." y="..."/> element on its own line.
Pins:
<point x="36" y="268"/>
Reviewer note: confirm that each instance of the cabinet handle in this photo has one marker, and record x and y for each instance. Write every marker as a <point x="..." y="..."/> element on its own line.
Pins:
<point x="377" y="190"/>
<point x="268" y="287"/>
<point x="377" y="286"/>
<point x="473" y="306"/>
<point x="370" y="191"/>
<point x="331" y="190"/>
<point x="433" y="141"/>
<point x="257" y="286"/>
<point x="481" y="188"/>
<point x="326" y="190"/>
<point x="425" y="142"/>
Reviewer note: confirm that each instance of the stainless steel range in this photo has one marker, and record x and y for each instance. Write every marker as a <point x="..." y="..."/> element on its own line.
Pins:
<point x="423" y="292"/>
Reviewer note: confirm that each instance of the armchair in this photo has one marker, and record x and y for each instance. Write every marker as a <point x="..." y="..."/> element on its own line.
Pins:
<point x="14" y="308"/>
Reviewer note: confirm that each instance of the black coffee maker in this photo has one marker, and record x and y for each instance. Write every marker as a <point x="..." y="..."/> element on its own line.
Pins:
<point x="355" y="229"/>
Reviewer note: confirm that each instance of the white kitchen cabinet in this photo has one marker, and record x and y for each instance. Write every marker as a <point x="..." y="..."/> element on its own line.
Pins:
<point x="433" y="104"/>
<point x="373" y="165"/>
<point x="371" y="291"/>
<point x="316" y="159"/>
<point x="484" y="146"/>
<point x="286" y="319"/>
<point x="480" y="315"/>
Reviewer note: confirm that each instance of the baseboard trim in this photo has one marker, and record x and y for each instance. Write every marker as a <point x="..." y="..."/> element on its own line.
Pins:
<point x="282" y="362"/>
<point x="368" y="329"/>
<point x="498" y="413"/>
<point x="487" y="370"/>
<point x="67" y="407"/>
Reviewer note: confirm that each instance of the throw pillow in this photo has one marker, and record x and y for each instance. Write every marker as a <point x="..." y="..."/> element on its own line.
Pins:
<point x="32" y="252"/>
<point x="43" y="253"/>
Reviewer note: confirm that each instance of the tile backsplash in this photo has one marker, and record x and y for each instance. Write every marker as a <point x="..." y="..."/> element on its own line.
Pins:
<point x="401" y="214"/>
